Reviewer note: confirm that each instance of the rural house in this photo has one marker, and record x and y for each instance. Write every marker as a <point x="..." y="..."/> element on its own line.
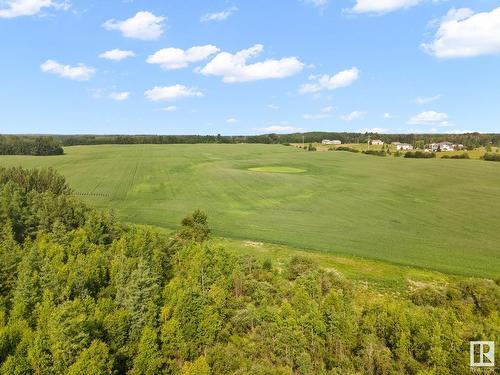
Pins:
<point x="328" y="142"/>
<point x="441" y="146"/>
<point x="377" y="142"/>
<point x="404" y="147"/>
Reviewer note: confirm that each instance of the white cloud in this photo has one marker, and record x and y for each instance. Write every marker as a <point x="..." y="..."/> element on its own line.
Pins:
<point x="382" y="6"/>
<point x="18" y="8"/>
<point x="234" y="68"/>
<point x="456" y="131"/>
<point x="119" y="96"/>
<point x="170" y="108"/>
<point x="218" y="16"/>
<point x="77" y="73"/>
<point x="429" y="99"/>
<point x="387" y="115"/>
<point x="317" y="3"/>
<point x="167" y="93"/>
<point x="280" y="129"/>
<point x="273" y="106"/>
<point x="231" y="120"/>
<point x="430" y="118"/>
<point x="465" y="34"/>
<point x="324" y="113"/>
<point x="176" y="58"/>
<point x="144" y="25"/>
<point x="354" y="115"/>
<point x="373" y="130"/>
<point x="116" y="54"/>
<point x="327" y="82"/>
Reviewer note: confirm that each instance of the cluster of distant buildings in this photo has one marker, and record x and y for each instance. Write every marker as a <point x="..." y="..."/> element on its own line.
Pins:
<point x="433" y="147"/>
<point x="329" y="142"/>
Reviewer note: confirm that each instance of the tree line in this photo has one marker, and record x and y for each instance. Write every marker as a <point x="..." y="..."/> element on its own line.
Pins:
<point x="30" y="145"/>
<point x="469" y="140"/>
<point x="81" y="293"/>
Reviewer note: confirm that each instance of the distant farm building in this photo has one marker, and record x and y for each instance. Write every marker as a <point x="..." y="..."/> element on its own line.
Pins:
<point x="329" y="142"/>
<point x="377" y="142"/>
<point x="395" y="143"/>
<point x="441" y="146"/>
<point x="404" y="147"/>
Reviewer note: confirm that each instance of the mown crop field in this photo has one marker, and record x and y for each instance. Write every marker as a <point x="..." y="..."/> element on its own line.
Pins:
<point x="437" y="214"/>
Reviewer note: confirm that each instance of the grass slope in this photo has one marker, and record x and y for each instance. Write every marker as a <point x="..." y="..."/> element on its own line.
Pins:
<point x="436" y="214"/>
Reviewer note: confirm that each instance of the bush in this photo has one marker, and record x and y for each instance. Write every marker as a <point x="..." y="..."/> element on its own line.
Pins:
<point x="345" y="148"/>
<point x="420" y="155"/>
<point x="311" y="147"/>
<point x="459" y="156"/>
<point x="491" y="157"/>
<point x="375" y="152"/>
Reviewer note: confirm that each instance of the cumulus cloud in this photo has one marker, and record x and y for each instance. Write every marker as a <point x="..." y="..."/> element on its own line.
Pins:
<point x="77" y="73"/>
<point x="387" y="115"/>
<point x="167" y="93"/>
<point x="170" y="108"/>
<point x="176" y="58"/>
<point x="144" y="25"/>
<point x="354" y="115"/>
<point x="234" y="67"/>
<point x="218" y="16"/>
<point x="463" y="33"/>
<point x="430" y="118"/>
<point x="119" y="96"/>
<point x="382" y="6"/>
<point x="231" y="120"/>
<point x="428" y="99"/>
<point x="116" y="54"/>
<point x="373" y="130"/>
<point x="273" y="106"/>
<point x="18" y="8"/>
<point x="323" y="113"/>
<point x="280" y="129"/>
<point x="326" y="82"/>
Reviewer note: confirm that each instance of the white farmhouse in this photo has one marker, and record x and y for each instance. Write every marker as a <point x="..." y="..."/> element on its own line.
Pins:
<point x="328" y="142"/>
<point x="404" y="147"/>
<point x="441" y="146"/>
<point x="377" y="142"/>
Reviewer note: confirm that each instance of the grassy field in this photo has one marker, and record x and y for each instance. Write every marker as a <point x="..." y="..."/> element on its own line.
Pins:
<point x="435" y="214"/>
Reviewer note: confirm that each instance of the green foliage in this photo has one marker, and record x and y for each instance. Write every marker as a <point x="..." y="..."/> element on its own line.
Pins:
<point x="375" y="152"/>
<point x="465" y="155"/>
<point x="348" y="149"/>
<point x="491" y="157"/>
<point x="311" y="147"/>
<point x="103" y="298"/>
<point x="27" y="145"/>
<point x="420" y="154"/>
<point x="95" y="360"/>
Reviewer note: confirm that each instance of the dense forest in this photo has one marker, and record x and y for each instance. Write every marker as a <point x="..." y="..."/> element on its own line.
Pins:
<point x="81" y="293"/>
<point x="469" y="140"/>
<point x="30" y="145"/>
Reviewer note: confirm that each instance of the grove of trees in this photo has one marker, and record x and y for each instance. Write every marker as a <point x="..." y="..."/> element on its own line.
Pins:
<point x="28" y="145"/>
<point x="81" y="293"/>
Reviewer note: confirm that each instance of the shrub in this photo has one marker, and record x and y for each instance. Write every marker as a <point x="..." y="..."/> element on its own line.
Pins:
<point x="420" y="155"/>
<point x="311" y="147"/>
<point x="491" y="157"/>
<point x="345" y="148"/>
<point x="460" y="156"/>
<point x="375" y="152"/>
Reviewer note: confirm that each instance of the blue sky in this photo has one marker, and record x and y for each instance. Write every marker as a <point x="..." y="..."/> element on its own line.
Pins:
<point x="257" y="66"/>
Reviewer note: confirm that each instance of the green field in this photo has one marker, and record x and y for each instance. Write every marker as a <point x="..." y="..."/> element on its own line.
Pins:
<point x="436" y="214"/>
